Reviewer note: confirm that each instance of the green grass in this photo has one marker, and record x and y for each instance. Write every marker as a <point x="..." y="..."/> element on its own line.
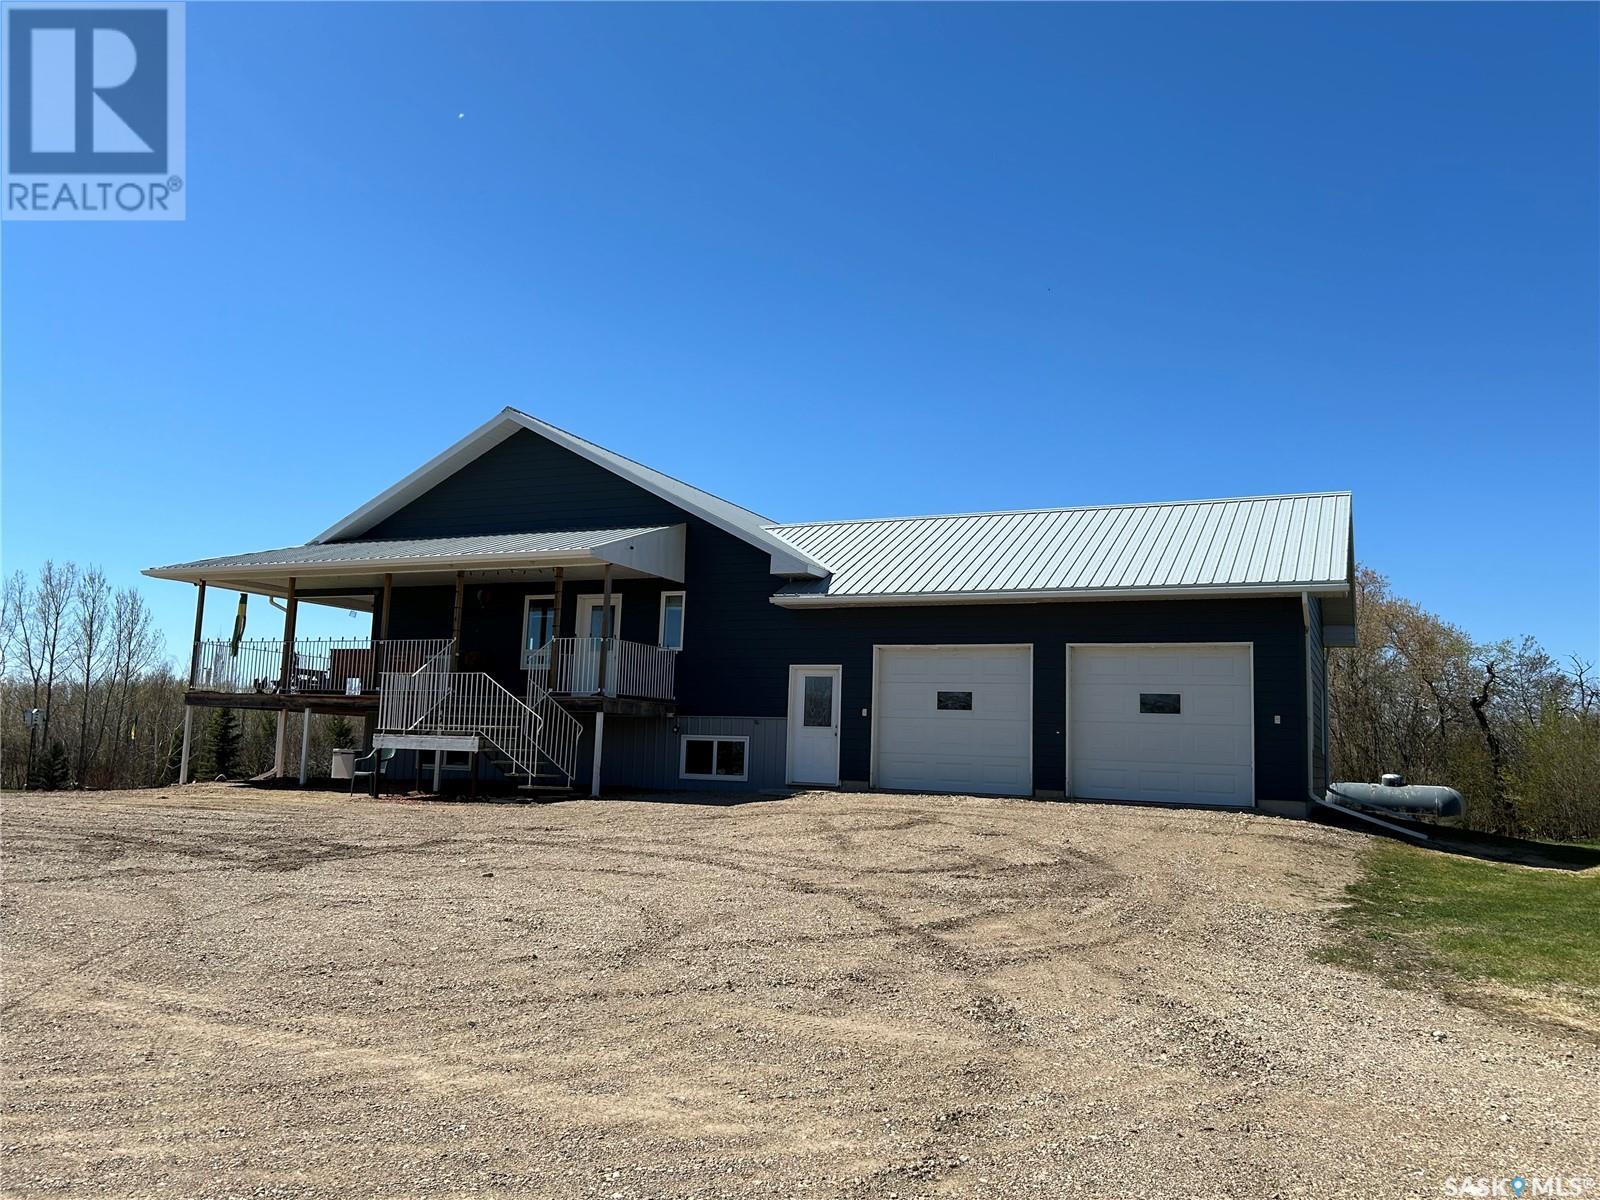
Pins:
<point x="1419" y="913"/>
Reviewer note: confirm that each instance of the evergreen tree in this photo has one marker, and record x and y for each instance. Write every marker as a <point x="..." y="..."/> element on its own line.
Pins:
<point x="222" y="744"/>
<point x="340" y="735"/>
<point x="53" y="769"/>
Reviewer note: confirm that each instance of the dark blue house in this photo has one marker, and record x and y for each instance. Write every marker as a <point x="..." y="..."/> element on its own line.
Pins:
<point x="548" y="612"/>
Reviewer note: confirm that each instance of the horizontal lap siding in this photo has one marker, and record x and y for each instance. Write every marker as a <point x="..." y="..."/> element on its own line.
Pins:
<point x="1317" y="663"/>
<point x="644" y="752"/>
<point x="738" y="646"/>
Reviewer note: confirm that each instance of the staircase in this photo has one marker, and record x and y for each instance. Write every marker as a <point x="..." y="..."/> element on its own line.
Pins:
<point x="533" y="738"/>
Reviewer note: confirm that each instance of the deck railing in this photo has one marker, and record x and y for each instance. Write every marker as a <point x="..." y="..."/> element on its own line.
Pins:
<point x="604" y="667"/>
<point x="461" y="703"/>
<point x="317" y="666"/>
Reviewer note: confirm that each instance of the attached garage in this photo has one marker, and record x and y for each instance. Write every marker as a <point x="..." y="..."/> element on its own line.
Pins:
<point x="954" y="719"/>
<point x="1161" y="723"/>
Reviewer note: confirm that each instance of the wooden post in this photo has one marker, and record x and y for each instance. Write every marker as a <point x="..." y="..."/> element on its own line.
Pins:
<point x="199" y="615"/>
<point x="383" y="632"/>
<point x="455" y="620"/>
<point x="188" y="730"/>
<point x="555" y="602"/>
<point x="305" y="744"/>
<point x="291" y="613"/>
<point x="599" y="741"/>
<point x="605" y="644"/>
<point x="281" y="744"/>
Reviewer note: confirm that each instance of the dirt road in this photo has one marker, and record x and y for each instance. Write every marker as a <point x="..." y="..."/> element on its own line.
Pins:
<point x="225" y="992"/>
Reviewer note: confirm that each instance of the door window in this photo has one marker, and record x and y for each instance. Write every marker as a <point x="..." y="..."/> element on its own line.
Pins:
<point x="818" y="707"/>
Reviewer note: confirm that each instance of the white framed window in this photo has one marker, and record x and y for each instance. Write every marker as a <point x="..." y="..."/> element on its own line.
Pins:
<point x="707" y="756"/>
<point x="671" y="631"/>
<point x="538" y="625"/>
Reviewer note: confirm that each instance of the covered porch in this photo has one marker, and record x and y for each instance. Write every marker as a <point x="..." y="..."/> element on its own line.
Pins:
<point x="437" y="587"/>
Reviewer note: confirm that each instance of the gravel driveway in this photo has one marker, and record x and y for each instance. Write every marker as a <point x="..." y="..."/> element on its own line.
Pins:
<point x="220" y="992"/>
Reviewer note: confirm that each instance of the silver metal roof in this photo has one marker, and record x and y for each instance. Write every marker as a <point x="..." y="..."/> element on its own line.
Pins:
<point x="512" y="547"/>
<point x="1256" y="544"/>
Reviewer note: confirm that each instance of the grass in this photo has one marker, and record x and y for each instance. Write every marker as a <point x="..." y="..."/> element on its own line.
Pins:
<point x="1418" y="913"/>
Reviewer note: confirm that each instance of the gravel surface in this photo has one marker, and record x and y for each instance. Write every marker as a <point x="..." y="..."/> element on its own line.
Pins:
<point x="228" y="992"/>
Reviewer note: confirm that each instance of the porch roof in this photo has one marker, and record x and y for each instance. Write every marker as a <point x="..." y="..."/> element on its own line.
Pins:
<point x="654" y="550"/>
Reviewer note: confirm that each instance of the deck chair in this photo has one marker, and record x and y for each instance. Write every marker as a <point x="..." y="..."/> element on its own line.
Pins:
<point x="374" y="760"/>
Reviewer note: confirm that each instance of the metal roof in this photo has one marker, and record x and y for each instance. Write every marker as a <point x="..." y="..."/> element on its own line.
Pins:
<point x="1280" y="544"/>
<point x="422" y="552"/>
<point x="740" y="522"/>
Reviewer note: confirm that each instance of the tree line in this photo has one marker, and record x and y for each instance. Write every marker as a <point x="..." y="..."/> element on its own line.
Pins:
<point x="1506" y="724"/>
<point x="1510" y="727"/>
<point x="89" y="696"/>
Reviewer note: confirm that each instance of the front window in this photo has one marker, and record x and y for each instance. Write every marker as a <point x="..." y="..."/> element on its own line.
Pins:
<point x="713" y="758"/>
<point x="538" y="624"/>
<point x="672" y="620"/>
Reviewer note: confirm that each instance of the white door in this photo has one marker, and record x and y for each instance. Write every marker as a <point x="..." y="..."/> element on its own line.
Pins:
<point x="591" y="629"/>
<point x="1164" y="723"/>
<point x="955" y="719"/>
<point x="814" y="725"/>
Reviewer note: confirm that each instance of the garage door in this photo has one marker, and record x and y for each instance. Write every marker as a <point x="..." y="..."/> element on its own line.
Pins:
<point x="955" y="719"/>
<point x="1169" y="723"/>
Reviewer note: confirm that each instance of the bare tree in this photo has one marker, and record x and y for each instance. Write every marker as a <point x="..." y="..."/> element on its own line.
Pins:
<point x="91" y="603"/>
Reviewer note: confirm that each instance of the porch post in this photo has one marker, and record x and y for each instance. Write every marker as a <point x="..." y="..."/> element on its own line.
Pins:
<point x="292" y="612"/>
<point x="599" y="741"/>
<point x="383" y="633"/>
<point x="455" y="621"/>
<point x="188" y="730"/>
<point x="605" y="644"/>
<point x="555" y="602"/>
<point x="305" y="744"/>
<point x="281" y="745"/>
<point x="194" y="652"/>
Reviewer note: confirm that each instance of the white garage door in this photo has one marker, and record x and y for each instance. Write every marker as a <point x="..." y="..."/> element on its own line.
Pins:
<point x="1169" y="723"/>
<point x="955" y="719"/>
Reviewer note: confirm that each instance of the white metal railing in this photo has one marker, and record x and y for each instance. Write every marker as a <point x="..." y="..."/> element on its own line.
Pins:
<point x="317" y="666"/>
<point x="559" y="730"/>
<point x="461" y="703"/>
<point x="603" y="667"/>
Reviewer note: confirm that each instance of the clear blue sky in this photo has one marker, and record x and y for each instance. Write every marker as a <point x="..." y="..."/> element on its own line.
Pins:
<point x="846" y="261"/>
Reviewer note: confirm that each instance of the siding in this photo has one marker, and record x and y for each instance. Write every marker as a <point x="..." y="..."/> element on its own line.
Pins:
<point x="738" y="645"/>
<point x="1317" y="665"/>
<point x="644" y="753"/>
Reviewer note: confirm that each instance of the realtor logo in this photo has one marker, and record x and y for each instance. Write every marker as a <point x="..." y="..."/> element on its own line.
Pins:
<point x="94" y="112"/>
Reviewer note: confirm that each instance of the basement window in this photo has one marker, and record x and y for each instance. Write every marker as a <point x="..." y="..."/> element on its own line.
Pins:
<point x="713" y="757"/>
<point x="1161" y="703"/>
<point x="955" y="701"/>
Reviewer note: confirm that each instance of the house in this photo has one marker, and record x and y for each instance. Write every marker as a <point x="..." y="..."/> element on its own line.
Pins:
<point x="547" y="610"/>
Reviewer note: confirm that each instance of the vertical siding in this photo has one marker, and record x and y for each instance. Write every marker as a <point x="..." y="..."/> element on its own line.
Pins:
<point x="644" y="752"/>
<point x="738" y="646"/>
<point x="1317" y="664"/>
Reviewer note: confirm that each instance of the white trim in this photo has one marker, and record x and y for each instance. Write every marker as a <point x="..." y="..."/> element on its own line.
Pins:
<point x="787" y="559"/>
<point x="1066" y="727"/>
<point x="683" y="753"/>
<point x="872" y="758"/>
<point x="661" y="622"/>
<point x="1033" y="597"/>
<point x="527" y="608"/>
<point x="793" y="719"/>
<point x="587" y="603"/>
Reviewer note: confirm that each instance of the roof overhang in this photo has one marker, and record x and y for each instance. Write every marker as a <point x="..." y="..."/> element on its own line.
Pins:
<point x="646" y="553"/>
<point x="786" y="559"/>
<point x="1245" y="591"/>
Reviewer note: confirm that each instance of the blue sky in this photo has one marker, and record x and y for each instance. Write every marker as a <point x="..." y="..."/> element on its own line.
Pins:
<point x="846" y="261"/>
